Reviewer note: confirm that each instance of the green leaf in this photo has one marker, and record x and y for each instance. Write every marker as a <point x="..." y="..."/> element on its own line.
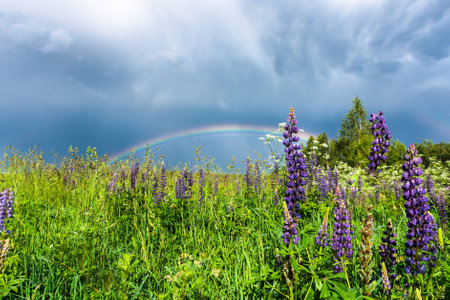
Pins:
<point x="318" y="283"/>
<point x="371" y="287"/>
<point x="325" y="293"/>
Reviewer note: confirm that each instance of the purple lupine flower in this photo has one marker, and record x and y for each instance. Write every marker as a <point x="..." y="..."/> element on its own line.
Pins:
<point x="112" y="185"/>
<point x="419" y="250"/>
<point x="238" y="187"/>
<point x="323" y="236"/>
<point x="10" y="205"/>
<point x="385" y="279"/>
<point x="341" y="240"/>
<point x="294" y="187"/>
<point x="442" y="207"/>
<point x="276" y="199"/>
<point x="430" y="188"/>
<point x="123" y="174"/>
<point x="381" y="143"/>
<point x="322" y="188"/>
<point x="180" y="187"/>
<point x="133" y="174"/>
<point x="155" y="193"/>
<point x="201" y="194"/>
<point x="351" y="181"/>
<point x="388" y="252"/>
<point x="6" y="208"/>
<point x="289" y="228"/>
<point x="360" y="185"/>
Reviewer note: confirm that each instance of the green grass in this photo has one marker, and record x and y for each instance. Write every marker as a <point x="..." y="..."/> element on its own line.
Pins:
<point x="79" y="242"/>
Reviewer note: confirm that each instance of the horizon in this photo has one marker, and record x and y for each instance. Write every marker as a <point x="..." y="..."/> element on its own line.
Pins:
<point x="112" y="74"/>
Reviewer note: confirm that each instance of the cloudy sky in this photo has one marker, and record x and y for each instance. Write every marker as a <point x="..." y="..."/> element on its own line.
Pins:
<point x="112" y="74"/>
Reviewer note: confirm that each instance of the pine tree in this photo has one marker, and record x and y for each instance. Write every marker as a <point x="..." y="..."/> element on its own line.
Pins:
<point x="354" y="137"/>
<point x="355" y="124"/>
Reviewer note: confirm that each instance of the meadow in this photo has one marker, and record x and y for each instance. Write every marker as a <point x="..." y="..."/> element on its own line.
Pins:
<point x="94" y="228"/>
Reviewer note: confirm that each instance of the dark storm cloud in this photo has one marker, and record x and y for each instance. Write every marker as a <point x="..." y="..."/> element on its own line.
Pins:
<point x="113" y="74"/>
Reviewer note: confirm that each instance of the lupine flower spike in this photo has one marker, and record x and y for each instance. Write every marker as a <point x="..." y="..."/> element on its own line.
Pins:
<point x="381" y="143"/>
<point x="133" y="175"/>
<point x="341" y="240"/>
<point x="6" y="208"/>
<point x="420" y="233"/>
<point x="385" y="279"/>
<point x="387" y="249"/>
<point x="155" y="193"/>
<point x="296" y="180"/>
<point x="323" y="237"/>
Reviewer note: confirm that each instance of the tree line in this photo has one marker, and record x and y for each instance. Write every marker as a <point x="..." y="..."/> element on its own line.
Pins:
<point x="354" y="140"/>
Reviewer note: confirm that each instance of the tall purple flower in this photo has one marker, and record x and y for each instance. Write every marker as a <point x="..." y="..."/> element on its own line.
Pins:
<point x="112" y="185"/>
<point x="133" y="174"/>
<point x="341" y="240"/>
<point x="323" y="236"/>
<point x="289" y="228"/>
<point x="276" y="199"/>
<point x="296" y="179"/>
<point x="163" y="182"/>
<point x="419" y="250"/>
<point x="322" y="188"/>
<point x="6" y="208"/>
<point x="381" y="143"/>
<point x="155" y="193"/>
<point x="180" y="187"/>
<point x="388" y="252"/>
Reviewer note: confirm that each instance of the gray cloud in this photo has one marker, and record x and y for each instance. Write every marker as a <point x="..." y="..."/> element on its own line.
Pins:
<point x="114" y="73"/>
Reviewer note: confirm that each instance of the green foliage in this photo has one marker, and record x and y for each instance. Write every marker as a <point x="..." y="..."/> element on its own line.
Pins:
<point x="355" y="124"/>
<point x="396" y="153"/>
<point x="440" y="151"/>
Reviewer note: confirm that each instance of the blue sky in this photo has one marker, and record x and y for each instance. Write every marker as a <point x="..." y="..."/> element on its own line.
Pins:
<point x="112" y="73"/>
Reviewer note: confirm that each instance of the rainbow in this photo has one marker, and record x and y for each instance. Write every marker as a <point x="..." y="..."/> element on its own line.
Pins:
<point x="209" y="131"/>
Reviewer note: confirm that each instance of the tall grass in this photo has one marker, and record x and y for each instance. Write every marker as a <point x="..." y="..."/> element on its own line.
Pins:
<point x="72" y="238"/>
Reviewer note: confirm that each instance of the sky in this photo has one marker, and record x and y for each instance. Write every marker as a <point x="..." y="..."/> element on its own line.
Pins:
<point x="114" y="74"/>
